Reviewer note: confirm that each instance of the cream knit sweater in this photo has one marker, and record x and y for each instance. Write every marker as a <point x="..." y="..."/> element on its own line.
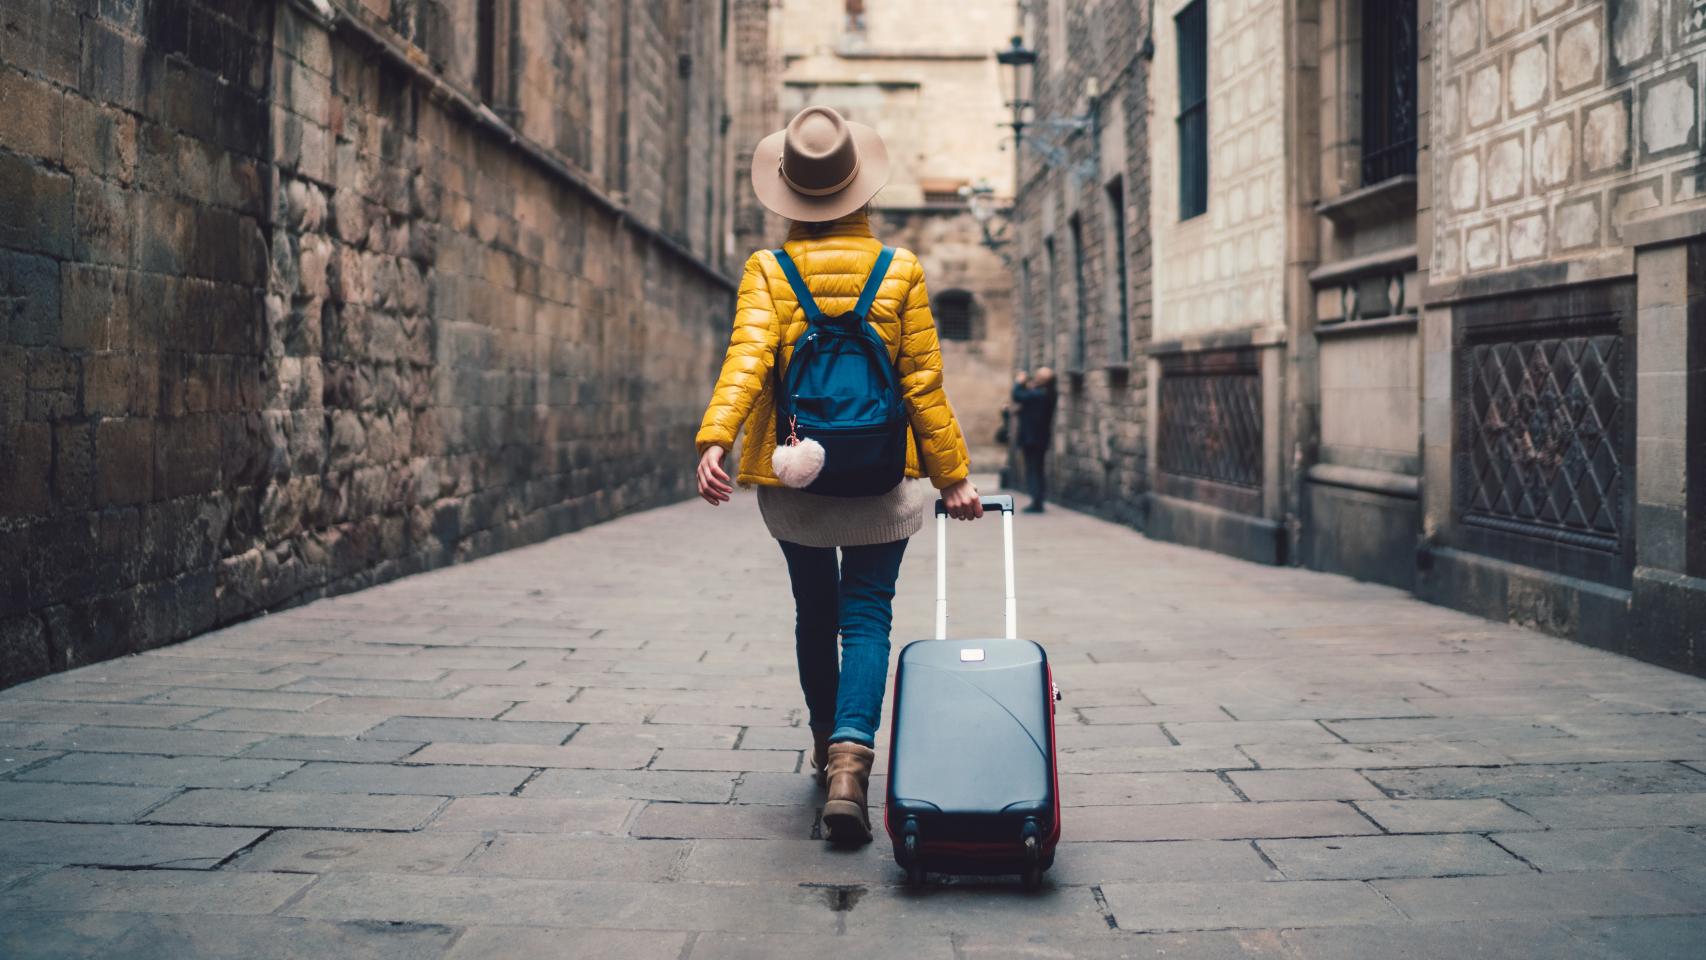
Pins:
<point x="812" y="520"/>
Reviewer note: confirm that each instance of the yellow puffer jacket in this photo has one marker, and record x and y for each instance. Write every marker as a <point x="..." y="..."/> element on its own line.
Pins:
<point x="835" y="261"/>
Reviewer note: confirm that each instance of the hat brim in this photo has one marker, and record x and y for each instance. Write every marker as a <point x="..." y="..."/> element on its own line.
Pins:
<point x="784" y="200"/>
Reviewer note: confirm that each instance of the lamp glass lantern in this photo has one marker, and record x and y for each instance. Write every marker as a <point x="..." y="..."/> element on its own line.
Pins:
<point x="1019" y="61"/>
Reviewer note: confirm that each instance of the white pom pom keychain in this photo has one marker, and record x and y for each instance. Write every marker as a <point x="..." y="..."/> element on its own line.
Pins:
<point x="797" y="462"/>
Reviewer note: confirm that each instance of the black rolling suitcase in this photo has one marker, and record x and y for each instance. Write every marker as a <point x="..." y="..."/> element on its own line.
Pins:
<point x="973" y="785"/>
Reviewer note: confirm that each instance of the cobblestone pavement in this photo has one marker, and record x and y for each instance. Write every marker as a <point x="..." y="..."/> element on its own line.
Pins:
<point x="591" y="748"/>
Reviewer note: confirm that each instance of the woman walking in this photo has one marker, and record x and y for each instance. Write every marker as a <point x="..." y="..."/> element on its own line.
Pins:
<point x="820" y="172"/>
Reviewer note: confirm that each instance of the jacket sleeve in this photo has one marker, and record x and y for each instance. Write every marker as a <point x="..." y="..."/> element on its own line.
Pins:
<point x="746" y="365"/>
<point x="942" y="447"/>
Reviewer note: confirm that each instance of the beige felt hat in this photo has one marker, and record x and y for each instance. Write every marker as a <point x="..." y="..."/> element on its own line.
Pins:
<point x="820" y="167"/>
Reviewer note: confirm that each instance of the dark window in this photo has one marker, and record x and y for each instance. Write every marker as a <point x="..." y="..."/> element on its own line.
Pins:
<point x="953" y="315"/>
<point x="1022" y="356"/>
<point x="1116" y="224"/>
<point x="1079" y="292"/>
<point x="1192" y="27"/>
<point x="486" y="49"/>
<point x="1051" y="294"/>
<point x="854" y="22"/>
<point x="1388" y="89"/>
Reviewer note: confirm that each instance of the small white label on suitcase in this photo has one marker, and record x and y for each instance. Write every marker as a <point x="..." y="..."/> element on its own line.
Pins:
<point x="971" y="654"/>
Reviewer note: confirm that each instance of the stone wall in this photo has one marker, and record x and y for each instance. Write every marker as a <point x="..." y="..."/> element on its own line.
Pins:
<point x="1100" y="457"/>
<point x="1561" y="483"/>
<point x="925" y="74"/>
<point x="1224" y="269"/>
<point x="285" y="312"/>
<point x="1558" y="123"/>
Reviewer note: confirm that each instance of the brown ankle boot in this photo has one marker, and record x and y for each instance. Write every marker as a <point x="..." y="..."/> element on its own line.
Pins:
<point x="820" y="757"/>
<point x="844" y="814"/>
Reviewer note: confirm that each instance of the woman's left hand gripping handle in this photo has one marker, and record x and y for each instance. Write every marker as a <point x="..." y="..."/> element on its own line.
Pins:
<point x="713" y="482"/>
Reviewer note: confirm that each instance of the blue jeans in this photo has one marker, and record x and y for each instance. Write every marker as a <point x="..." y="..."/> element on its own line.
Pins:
<point x="856" y="602"/>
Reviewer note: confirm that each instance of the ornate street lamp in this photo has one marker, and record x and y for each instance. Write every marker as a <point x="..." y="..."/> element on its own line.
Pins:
<point x="980" y="200"/>
<point x="1020" y="60"/>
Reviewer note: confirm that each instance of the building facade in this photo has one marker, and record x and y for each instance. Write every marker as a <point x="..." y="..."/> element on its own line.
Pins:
<point x="1563" y="356"/>
<point x="302" y="295"/>
<point x="1083" y="247"/>
<point x="1424" y="296"/>
<point x="925" y="76"/>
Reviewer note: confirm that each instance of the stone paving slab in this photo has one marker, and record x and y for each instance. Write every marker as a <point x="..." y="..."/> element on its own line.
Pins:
<point x="542" y="754"/>
<point x="77" y="803"/>
<point x="247" y="808"/>
<point x="1371" y="858"/>
<point x="143" y="770"/>
<point x="121" y="845"/>
<point x="81" y="890"/>
<point x="1244" y="904"/>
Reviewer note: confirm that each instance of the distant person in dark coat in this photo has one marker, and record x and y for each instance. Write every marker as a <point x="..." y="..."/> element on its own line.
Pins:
<point x="1034" y="396"/>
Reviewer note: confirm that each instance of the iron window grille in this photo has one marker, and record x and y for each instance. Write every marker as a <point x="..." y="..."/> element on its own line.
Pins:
<point x="954" y="315"/>
<point x="1388" y="89"/>
<point x="1191" y="26"/>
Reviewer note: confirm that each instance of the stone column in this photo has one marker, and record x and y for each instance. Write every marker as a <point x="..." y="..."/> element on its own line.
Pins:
<point x="1669" y="588"/>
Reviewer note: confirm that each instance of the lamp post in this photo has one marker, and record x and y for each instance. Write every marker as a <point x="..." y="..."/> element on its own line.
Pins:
<point x="1017" y="57"/>
<point x="980" y="200"/>
<point x="1020" y="59"/>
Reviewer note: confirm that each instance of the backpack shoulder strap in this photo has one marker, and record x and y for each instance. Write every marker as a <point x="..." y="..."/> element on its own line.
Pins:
<point x="802" y="292"/>
<point x="868" y="295"/>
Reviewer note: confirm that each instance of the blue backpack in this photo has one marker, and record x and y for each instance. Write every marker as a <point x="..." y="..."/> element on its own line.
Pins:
<point x="842" y="390"/>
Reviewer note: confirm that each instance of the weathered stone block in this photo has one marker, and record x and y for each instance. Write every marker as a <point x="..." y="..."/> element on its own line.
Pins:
<point x="1605" y="135"/>
<point x="1484" y="96"/>
<point x="47" y="41"/>
<point x="1465" y="182"/>
<point x="1530" y="75"/>
<point x="1579" y="53"/>
<point x="186" y="455"/>
<point x="1504" y="17"/>
<point x="1578" y="223"/>
<point x="1636" y="29"/>
<point x="29" y="301"/>
<point x="124" y="461"/>
<point x="96" y="308"/>
<point x="1481" y="247"/>
<point x="35" y="116"/>
<point x="166" y="234"/>
<point x="105" y="219"/>
<point x="1527" y="237"/>
<point x="1669" y="121"/>
<point x="35" y="207"/>
<point x="1630" y="201"/>
<point x="1554" y="154"/>
<point x="1504" y="169"/>
<point x="113" y="67"/>
<point x="26" y="459"/>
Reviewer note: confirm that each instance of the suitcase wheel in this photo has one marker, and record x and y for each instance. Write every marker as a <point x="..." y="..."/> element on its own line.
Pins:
<point x="1032" y="875"/>
<point x="910" y="857"/>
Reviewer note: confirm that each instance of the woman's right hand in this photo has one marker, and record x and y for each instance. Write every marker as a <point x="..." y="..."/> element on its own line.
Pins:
<point x="961" y="500"/>
<point x="713" y="482"/>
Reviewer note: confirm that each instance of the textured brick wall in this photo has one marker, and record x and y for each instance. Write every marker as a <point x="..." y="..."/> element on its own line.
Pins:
<point x="1100" y="450"/>
<point x="1225" y="269"/>
<point x="1556" y="123"/>
<point x="274" y="322"/>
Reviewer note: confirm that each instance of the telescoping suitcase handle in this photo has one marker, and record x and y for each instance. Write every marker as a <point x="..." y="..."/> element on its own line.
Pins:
<point x="1001" y="502"/>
